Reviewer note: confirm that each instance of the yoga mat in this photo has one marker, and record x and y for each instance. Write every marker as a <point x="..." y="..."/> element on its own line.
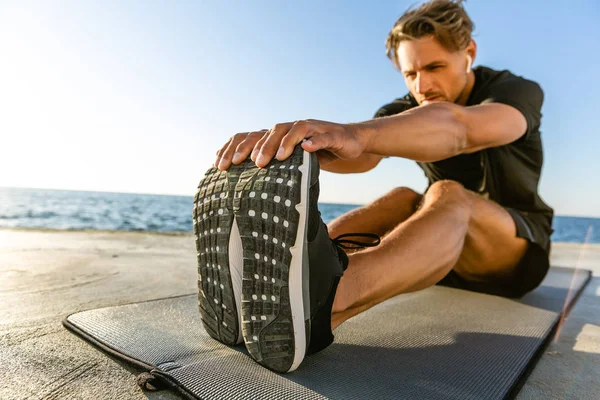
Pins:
<point x="439" y="343"/>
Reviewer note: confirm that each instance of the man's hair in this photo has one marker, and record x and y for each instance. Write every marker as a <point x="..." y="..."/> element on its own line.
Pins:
<point x="446" y="20"/>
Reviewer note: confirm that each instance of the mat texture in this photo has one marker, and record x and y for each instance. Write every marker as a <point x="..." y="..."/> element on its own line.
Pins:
<point x="439" y="343"/>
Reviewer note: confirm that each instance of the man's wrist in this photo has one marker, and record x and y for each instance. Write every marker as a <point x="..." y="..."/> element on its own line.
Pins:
<point x="366" y="133"/>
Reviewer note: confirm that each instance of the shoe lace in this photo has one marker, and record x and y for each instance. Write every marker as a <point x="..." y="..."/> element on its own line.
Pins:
<point x="355" y="244"/>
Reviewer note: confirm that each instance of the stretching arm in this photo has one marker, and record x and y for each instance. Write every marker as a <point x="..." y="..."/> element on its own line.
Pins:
<point x="442" y="130"/>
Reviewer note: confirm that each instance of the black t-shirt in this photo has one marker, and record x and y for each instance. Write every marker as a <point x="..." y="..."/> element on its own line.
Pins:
<point x="508" y="174"/>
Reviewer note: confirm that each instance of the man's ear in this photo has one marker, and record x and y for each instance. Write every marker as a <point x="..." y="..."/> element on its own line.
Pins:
<point x="471" y="51"/>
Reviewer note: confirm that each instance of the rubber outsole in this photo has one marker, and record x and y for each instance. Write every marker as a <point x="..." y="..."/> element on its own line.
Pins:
<point x="213" y="219"/>
<point x="269" y="212"/>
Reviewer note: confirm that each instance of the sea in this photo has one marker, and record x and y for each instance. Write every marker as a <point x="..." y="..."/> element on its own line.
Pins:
<point x="75" y="210"/>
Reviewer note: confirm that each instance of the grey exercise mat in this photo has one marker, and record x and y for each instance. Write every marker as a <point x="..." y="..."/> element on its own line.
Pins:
<point x="439" y="343"/>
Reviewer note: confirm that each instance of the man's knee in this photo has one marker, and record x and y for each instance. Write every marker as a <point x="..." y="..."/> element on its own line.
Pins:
<point x="398" y="197"/>
<point x="401" y="193"/>
<point x="450" y="193"/>
<point x="446" y="190"/>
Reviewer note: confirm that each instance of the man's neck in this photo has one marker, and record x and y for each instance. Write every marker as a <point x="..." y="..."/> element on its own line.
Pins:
<point x="464" y="95"/>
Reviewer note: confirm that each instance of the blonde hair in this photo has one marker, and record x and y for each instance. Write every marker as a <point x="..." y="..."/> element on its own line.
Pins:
<point x="446" y="20"/>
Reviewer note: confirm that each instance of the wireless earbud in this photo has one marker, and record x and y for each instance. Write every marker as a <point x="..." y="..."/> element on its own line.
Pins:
<point x="469" y="62"/>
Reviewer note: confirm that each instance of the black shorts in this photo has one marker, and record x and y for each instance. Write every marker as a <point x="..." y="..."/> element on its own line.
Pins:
<point x="537" y="229"/>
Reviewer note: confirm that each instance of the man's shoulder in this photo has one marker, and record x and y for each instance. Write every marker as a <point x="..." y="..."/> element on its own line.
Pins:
<point x="503" y="86"/>
<point x="486" y="73"/>
<point x="396" y="107"/>
<point x="487" y="79"/>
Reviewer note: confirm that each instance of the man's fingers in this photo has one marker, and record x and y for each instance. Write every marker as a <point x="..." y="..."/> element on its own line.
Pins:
<point x="336" y="142"/>
<point x="278" y="142"/>
<point x="257" y="146"/>
<point x="325" y="141"/>
<point x="272" y="143"/>
<point x="299" y="131"/>
<point x="243" y="149"/>
<point x="227" y="155"/>
<point x="220" y="152"/>
<point x="326" y="157"/>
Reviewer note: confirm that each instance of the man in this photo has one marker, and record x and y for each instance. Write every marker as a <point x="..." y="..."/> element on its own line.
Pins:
<point x="480" y="225"/>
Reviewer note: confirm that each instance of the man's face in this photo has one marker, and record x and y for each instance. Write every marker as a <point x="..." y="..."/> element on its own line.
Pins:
<point x="431" y="72"/>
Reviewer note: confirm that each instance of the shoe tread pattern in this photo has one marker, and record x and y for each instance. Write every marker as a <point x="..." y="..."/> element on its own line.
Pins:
<point x="265" y="207"/>
<point x="213" y="219"/>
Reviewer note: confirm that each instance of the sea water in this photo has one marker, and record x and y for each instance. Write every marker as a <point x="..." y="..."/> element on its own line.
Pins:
<point x="65" y="209"/>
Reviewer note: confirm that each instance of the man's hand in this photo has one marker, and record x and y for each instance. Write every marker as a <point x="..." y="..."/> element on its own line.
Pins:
<point x="331" y="141"/>
<point x="238" y="148"/>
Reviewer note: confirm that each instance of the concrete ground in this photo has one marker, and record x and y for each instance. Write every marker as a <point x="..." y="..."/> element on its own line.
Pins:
<point x="46" y="275"/>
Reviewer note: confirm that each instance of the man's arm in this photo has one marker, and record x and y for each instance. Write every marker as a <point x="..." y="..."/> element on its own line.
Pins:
<point x="442" y="130"/>
<point x="367" y="161"/>
<point x="427" y="133"/>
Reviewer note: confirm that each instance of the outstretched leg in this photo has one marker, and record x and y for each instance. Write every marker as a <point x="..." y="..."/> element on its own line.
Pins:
<point x="454" y="229"/>
<point x="380" y="216"/>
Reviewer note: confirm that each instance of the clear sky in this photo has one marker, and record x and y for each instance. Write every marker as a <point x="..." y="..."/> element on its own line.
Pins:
<point x="136" y="96"/>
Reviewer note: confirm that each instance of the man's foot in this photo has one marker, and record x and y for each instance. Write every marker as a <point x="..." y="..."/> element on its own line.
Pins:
<point x="219" y="251"/>
<point x="291" y="268"/>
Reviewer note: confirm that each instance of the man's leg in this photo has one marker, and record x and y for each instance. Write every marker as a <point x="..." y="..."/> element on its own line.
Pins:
<point x="380" y="216"/>
<point x="454" y="229"/>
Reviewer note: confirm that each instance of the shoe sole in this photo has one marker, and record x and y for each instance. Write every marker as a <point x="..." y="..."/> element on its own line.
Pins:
<point x="215" y="229"/>
<point x="270" y="208"/>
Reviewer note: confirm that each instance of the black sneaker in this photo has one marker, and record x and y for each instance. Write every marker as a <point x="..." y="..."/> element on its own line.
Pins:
<point x="291" y="268"/>
<point x="219" y="251"/>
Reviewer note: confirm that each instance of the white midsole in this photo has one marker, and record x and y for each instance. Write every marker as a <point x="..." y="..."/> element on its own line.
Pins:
<point x="236" y="261"/>
<point x="295" y="271"/>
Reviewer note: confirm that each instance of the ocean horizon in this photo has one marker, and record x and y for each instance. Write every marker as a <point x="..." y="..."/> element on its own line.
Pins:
<point x="78" y="210"/>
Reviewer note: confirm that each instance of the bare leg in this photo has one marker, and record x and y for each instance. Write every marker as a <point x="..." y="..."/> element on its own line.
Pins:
<point x="453" y="229"/>
<point x="378" y="217"/>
